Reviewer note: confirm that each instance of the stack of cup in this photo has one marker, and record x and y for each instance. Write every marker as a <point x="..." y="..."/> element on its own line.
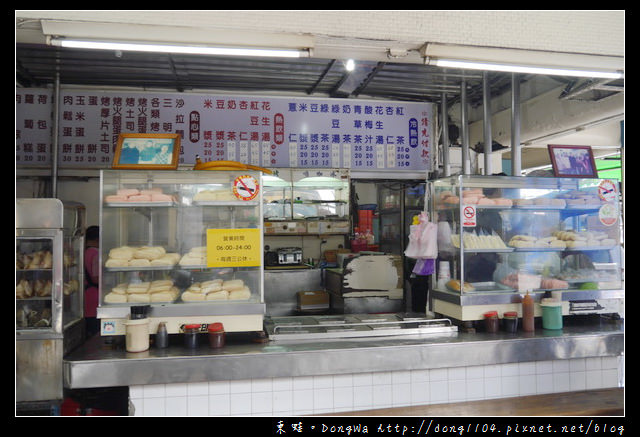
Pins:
<point x="443" y="274"/>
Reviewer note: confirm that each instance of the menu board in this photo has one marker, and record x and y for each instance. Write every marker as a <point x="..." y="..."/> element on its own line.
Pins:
<point x="259" y="130"/>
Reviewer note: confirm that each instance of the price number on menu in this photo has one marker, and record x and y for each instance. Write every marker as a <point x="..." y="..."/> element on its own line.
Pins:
<point x="233" y="247"/>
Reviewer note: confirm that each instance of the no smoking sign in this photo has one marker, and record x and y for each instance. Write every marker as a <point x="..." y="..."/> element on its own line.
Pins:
<point x="469" y="216"/>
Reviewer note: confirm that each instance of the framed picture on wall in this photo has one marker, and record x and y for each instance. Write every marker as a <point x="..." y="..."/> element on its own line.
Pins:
<point x="147" y="151"/>
<point x="572" y="161"/>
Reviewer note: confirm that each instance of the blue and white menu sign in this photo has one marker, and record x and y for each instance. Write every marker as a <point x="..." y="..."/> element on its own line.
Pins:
<point x="265" y="131"/>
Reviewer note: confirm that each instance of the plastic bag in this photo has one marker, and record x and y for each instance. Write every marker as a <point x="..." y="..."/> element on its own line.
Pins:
<point x="423" y="238"/>
<point x="425" y="266"/>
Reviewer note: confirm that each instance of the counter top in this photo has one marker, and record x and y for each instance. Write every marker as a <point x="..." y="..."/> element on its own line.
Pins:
<point x="98" y="364"/>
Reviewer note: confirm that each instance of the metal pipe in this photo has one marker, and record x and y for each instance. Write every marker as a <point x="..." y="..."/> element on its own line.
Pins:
<point x="464" y="128"/>
<point x="516" y="159"/>
<point x="445" y="135"/>
<point x="486" y="104"/>
<point x="54" y="139"/>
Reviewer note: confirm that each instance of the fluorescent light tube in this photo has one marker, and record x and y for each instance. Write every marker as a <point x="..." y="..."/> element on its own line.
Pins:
<point x="489" y="66"/>
<point x="185" y="49"/>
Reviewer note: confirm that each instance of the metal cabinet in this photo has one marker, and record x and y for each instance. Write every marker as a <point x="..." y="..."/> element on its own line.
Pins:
<point x="49" y="294"/>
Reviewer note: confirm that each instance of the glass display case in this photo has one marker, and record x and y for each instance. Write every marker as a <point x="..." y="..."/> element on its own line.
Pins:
<point x="501" y="237"/>
<point x="185" y="244"/>
<point x="309" y="201"/>
<point x="398" y="203"/>
<point x="49" y="294"/>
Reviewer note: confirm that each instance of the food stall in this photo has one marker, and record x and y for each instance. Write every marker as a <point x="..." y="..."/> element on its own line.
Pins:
<point x="290" y="367"/>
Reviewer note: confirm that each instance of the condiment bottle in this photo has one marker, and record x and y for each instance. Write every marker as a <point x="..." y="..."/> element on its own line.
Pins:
<point x="191" y="335"/>
<point x="527" y="313"/>
<point x="510" y="321"/>
<point x="216" y="335"/>
<point x="162" y="336"/>
<point x="491" y="321"/>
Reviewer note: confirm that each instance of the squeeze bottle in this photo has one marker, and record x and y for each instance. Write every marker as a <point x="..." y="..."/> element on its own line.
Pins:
<point x="527" y="313"/>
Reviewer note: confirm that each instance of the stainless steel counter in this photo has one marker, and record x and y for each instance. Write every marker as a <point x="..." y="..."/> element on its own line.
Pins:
<point x="96" y="364"/>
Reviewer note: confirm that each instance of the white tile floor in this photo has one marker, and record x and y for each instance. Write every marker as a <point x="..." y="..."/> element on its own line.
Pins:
<point x="360" y="391"/>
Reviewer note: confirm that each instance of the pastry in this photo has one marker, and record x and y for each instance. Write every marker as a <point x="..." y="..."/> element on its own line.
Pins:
<point x="120" y="289"/>
<point x="139" y="262"/>
<point x="189" y="296"/>
<point x="127" y="192"/>
<point x="240" y="294"/>
<point x="139" y="198"/>
<point x="138" y="288"/>
<point x="149" y="252"/>
<point x="233" y="284"/>
<point x="138" y="298"/>
<point x="218" y="295"/>
<point x="123" y="252"/>
<point x="115" y="262"/>
<point x="115" y="298"/>
<point x="115" y="198"/>
<point x="454" y="284"/>
<point x="160" y="197"/>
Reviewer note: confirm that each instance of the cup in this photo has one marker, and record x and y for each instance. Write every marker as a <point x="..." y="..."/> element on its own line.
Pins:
<point x="137" y="335"/>
<point x="551" y="314"/>
<point x="443" y="270"/>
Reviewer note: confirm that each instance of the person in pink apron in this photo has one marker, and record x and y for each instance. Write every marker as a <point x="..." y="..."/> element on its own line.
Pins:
<point x="91" y="281"/>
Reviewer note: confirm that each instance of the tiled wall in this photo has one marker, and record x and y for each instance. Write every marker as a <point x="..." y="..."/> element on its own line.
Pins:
<point x="294" y="396"/>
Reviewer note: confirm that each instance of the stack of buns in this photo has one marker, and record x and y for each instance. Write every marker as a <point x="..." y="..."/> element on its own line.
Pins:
<point x="217" y="289"/>
<point x="528" y="241"/>
<point x="162" y="290"/>
<point x="208" y="195"/>
<point x="473" y="241"/>
<point x="135" y="195"/>
<point x="575" y="239"/>
<point x="473" y="196"/>
<point x="144" y="256"/>
<point x="196" y="256"/>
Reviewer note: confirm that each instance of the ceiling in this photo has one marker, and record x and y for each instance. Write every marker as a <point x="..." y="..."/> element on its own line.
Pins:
<point x="38" y="64"/>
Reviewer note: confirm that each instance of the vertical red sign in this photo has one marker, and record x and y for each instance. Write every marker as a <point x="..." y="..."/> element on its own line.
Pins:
<point x="194" y="126"/>
<point x="278" y="128"/>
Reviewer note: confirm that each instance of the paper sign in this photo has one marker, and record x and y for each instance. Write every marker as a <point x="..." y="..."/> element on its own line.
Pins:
<point x="469" y="216"/>
<point x="246" y="187"/>
<point x="233" y="248"/>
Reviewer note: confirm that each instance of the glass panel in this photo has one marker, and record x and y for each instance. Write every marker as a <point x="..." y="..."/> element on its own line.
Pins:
<point x="154" y="250"/>
<point x="528" y="233"/>
<point x="72" y="288"/>
<point x="34" y="283"/>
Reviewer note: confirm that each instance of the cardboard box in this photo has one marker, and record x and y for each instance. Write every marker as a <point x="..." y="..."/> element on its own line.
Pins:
<point x="312" y="300"/>
<point x="288" y="227"/>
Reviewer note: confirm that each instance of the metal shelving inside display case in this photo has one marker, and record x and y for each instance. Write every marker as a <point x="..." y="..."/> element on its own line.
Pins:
<point x="186" y="244"/>
<point x="500" y="237"/>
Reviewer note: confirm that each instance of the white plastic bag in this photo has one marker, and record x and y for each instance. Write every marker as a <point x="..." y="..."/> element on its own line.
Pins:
<point x="423" y="239"/>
